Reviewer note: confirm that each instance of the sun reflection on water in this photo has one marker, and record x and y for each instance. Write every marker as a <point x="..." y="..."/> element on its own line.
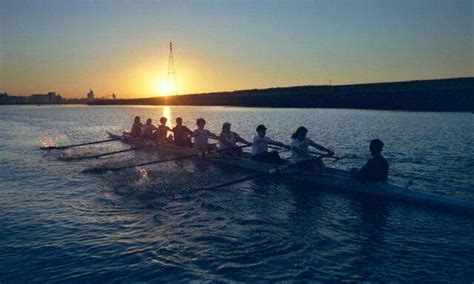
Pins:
<point x="167" y="114"/>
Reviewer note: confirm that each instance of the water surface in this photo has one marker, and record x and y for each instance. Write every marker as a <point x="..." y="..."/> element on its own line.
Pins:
<point x="143" y="224"/>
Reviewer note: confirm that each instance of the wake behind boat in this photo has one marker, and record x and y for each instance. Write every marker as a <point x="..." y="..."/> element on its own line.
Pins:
<point x="332" y="179"/>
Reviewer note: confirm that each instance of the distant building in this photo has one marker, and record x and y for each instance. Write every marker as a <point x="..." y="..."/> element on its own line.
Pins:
<point x="90" y="96"/>
<point x="49" y="98"/>
<point x="7" y="99"/>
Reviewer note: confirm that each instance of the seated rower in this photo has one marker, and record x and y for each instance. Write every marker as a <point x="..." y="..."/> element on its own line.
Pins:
<point x="229" y="139"/>
<point x="162" y="131"/>
<point x="260" y="147"/>
<point x="201" y="137"/>
<point x="376" y="168"/>
<point x="136" y="128"/>
<point x="300" y="151"/>
<point x="182" y="134"/>
<point x="148" y="129"/>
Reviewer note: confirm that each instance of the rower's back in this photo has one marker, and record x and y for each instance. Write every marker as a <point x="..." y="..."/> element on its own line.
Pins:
<point x="376" y="168"/>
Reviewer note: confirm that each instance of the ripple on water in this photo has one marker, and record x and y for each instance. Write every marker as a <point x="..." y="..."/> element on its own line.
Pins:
<point x="153" y="224"/>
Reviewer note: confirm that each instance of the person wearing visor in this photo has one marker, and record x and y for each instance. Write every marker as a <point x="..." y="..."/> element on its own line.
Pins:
<point x="228" y="140"/>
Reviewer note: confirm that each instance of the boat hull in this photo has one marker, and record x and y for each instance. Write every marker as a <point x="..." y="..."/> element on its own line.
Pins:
<point x="333" y="179"/>
<point x="340" y="180"/>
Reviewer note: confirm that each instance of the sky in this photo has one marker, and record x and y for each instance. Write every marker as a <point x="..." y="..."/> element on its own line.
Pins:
<point x="121" y="47"/>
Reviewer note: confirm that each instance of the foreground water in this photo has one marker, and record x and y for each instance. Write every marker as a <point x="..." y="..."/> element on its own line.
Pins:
<point x="57" y="224"/>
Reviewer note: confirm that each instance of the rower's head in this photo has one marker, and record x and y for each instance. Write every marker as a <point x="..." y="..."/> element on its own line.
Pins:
<point x="300" y="133"/>
<point x="148" y="121"/>
<point x="376" y="147"/>
<point x="163" y="120"/>
<point x="261" y="130"/>
<point x="200" y="122"/>
<point x="179" y="121"/>
<point x="226" y="127"/>
<point x="137" y="119"/>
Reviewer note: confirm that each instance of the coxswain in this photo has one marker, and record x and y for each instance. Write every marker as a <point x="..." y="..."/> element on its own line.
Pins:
<point x="376" y="168"/>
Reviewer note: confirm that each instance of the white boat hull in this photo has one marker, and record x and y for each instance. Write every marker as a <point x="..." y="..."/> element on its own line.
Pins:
<point x="335" y="179"/>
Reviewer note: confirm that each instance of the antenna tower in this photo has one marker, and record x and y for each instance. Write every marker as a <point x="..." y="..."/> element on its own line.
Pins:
<point x="172" y="70"/>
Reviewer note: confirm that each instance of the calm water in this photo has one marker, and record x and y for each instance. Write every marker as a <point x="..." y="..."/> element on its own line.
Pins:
<point x="57" y="224"/>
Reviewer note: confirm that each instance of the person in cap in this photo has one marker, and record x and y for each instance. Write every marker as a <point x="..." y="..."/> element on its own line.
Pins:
<point x="260" y="147"/>
<point x="300" y="151"/>
<point x="228" y="140"/>
<point x="201" y="137"/>
<point x="376" y="168"/>
<point x="182" y="135"/>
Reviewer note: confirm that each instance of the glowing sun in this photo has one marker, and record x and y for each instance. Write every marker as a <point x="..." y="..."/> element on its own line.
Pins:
<point x="164" y="87"/>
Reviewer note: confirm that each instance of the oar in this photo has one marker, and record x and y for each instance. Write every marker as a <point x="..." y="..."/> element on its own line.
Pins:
<point x="95" y="156"/>
<point x="279" y="148"/>
<point x="272" y="171"/>
<point x="98" y="170"/>
<point x="77" y="145"/>
<point x="335" y="159"/>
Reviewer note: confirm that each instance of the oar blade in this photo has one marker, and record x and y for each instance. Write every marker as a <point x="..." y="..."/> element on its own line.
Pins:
<point x="95" y="170"/>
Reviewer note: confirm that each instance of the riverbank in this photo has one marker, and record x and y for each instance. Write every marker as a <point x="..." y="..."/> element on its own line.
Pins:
<point x="454" y="94"/>
<point x="427" y="95"/>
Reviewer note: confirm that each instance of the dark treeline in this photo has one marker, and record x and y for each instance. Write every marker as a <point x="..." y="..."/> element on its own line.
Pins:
<point x="426" y="95"/>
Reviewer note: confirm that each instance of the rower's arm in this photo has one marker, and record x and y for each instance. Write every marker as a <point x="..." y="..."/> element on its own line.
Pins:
<point x="279" y="144"/>
<point x="320" y="147"/>
<point x="213" y="136"/>
<point x="241" y="140"/>
<point x="188" y="132"/>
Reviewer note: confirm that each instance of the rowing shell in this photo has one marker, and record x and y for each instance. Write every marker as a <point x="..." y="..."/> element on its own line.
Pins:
<point x="165" y="148"/>
<point x="335" y="179"/>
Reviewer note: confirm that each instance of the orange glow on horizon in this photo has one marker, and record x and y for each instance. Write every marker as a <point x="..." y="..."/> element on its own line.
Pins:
<point x="163" y="87"/>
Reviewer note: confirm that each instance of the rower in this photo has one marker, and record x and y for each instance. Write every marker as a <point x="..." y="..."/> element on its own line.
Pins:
<point x="162" y="131"/>
<point x="201" y="137"/>
<point x="229" y="139"/>
<point x="300" y="150"/>
<point x="260" y="147"/>
<point x="376" y="168"/>
<point x="136" y="128"/>
<point x="148" y="129"/>
<point x="182" y="134"/>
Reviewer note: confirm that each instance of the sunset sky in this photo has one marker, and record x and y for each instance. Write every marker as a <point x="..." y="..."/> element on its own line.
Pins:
<point x="122" y="46"/>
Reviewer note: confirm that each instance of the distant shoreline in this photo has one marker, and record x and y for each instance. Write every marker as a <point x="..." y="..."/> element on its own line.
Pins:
<point x="456" y="94"/>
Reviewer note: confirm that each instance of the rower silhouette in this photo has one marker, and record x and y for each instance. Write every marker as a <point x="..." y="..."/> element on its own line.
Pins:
<point x="376" y="168"/>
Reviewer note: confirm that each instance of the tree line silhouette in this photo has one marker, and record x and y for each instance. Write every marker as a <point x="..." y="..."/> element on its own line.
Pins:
<point x="424" y="95"/>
